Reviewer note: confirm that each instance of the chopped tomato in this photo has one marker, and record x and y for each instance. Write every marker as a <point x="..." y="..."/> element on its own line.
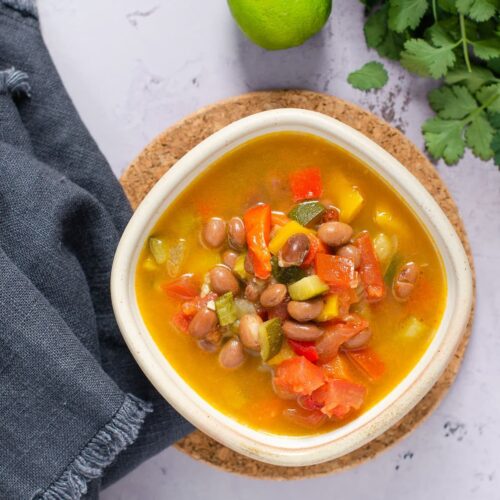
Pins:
<point x="368" y="361"/>
<point x="181" y="321"/>
<point x="279" y="219"/>
<point x="306" y="184"/>
<point x="336" y="271"/>
<point x="258" y="228"/>
<point x="191" y="307"/>
<point x="298" y="376"/>
<point x="369" y="269"/>
<point x="309" y="419"/>
<point x="337" y="333"/>
<point x="338" y="397"/>
<point x="346" y="299"/>
<point x="316" y="247"/>
<point x="184" y="287"/>
<point x="306" y="349"/>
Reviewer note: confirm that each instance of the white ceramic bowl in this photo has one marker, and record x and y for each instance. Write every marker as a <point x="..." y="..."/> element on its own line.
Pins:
<point x="275" y="449"/>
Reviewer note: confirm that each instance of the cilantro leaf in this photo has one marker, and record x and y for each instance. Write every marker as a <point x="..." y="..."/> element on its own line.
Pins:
<point x="392" y="45"/>
<point x="472" y="79"/>
<point x="425" y="60"/>
<point x="444" y="139"/>
<point x="495" y="146"/>
<point x="405" y="14"/>
<point x="452" y="102"/>
<point x="490" y="97"/>
<point x="376" y="28"/>
<point x="372" y="75"/>
<point x="495" y="120"/>
<point x="479" y="10"/>
<point x="487" y="49"/>
<point x="478" y="137"/>
<point x="441" y="34"/>
<point x="448" y="6"/>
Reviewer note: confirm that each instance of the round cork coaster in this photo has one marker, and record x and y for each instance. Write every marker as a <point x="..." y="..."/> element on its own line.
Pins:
<point x="177" y="140"/>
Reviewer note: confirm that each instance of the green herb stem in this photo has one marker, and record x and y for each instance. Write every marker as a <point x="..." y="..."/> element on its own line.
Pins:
<point x="434" y="11"/>
<point x="481" y="108"/>
<point x="465" y="42"/>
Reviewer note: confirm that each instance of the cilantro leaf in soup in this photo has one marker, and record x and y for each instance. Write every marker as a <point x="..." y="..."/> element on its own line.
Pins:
<point x="372" y="75"/>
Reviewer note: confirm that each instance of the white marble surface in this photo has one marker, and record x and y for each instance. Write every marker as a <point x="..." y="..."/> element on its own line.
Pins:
<point x="136" y="66"/>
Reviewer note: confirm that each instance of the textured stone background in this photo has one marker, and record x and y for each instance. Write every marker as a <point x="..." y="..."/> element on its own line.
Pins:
<point x="136" y="66"/>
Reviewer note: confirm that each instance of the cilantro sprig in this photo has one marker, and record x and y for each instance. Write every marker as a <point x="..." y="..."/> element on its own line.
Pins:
<point x="456" y="42"/>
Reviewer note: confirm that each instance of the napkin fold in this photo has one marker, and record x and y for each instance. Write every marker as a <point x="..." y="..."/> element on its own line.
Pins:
<point x="76" y="412"/>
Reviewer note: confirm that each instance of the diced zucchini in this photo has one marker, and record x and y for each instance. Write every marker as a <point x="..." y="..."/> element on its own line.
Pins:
<point x="270" y="338"/>
<point x="176" y="256"/>
<point x="386" y="221"/>
<point x="293" y="227"/>
<point x="306" y="212"/>
<point x="243" y="307"/>
<point x="385" y="248"/>
<point x="239" y="267"/>
<point x="413" y="328"/>
<point x="286" y="352"/>
<point x="346" y="197"/>
<point x="331" y="309"/>
<point x="391" y="269"/>
<point x="286" y="275"/>
<point x="307" y="288"/>
<point x="158" y="249"/>
<point x="225" y="309"/>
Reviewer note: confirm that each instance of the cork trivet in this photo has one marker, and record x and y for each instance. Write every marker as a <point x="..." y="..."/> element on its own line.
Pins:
<point x="177" y="140"/>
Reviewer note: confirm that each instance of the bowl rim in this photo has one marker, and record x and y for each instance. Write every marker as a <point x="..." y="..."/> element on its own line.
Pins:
<point x="259" y="445"/>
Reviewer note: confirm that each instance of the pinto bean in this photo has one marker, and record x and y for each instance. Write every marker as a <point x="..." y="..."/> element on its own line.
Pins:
<point x="252" y="292"/>
<point x="222" y="280"/>
<point x="350" y="252"/>
<point x="203" y="323"/>
<point x="273" y="295"/>
<point x="294" y="250"/>
<point x="232" y="354"/>
<point x="334" y="234"/>
<point x="236" y="233"/>
<point x="301" y="331"/>
<point x="359" y="340"/>
<point x="214" y="232"/>
<point x="229" y="258"/>
<point x="404" y="282"/>
<point x="249" y="331"/>
<point x="305" y="311"/>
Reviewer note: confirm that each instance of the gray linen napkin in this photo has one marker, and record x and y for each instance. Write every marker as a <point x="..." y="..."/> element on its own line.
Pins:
<point x="76" y="413"/>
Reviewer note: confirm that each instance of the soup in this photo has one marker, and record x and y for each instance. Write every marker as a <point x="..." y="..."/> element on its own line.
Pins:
<point x="290" y="286"/>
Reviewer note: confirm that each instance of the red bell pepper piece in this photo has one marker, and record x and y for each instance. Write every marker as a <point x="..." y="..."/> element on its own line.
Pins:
<point x="306" y="349"/>
<point x="306" y="184"/>
<point x="338" y="272"/>
<point x="369" y="269"/>
<point x="368" y="361"/>
<point x="258" y="228"/>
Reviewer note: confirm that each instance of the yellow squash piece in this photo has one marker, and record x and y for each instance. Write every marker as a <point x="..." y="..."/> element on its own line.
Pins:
<point x="286" y="352"/>
<point x="284" y="233"/>
<point x="347" y="198"/>
<point x="331" y="309"/>
<point x="389" y="223"/>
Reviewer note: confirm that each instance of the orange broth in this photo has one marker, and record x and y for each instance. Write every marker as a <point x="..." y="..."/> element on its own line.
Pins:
<point x="258" y="171"/>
